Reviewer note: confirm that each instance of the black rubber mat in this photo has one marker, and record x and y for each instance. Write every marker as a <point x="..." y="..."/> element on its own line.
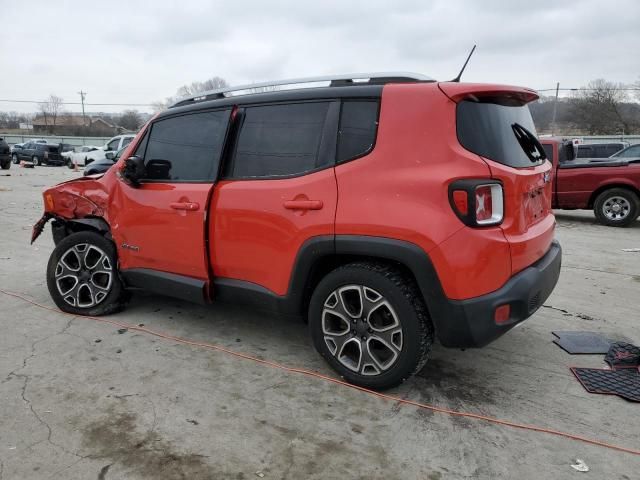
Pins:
<point x="582" y="342"/>
<point x="623" y="355"/>
<point x="624" y="383"/>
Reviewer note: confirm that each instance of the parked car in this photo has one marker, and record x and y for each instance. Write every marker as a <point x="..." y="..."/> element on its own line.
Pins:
<point x="113" y="145"/>
<point x="39" y="154"/>
<point x="5" y="155"/>
<point x="632" y="151"/>
<point x="16" y="148"/>
<point x="79" y="157"/>
<point x="101" y="166"/>
<point x="386" y="227"/>
<point x="600" y="150"/>
<point x="611" y="187"/>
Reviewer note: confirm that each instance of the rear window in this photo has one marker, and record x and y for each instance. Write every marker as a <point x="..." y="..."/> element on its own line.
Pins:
<point x="358" y="125"/>
<point x="490" y="130"/>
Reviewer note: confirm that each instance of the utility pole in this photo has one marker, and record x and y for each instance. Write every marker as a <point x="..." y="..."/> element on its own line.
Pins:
<point x="555" y="110"/>
<point x="84" y="120"/>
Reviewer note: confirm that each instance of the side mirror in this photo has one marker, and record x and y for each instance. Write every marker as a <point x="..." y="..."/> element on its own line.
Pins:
<point x="133" y="170"/>
<point x="109" y="155"/>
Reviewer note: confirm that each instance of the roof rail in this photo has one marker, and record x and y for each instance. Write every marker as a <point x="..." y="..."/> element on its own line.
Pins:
<point x="377" y="78"/>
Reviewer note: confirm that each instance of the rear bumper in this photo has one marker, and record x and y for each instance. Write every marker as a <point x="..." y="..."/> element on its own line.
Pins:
<point x="470" y="323"/>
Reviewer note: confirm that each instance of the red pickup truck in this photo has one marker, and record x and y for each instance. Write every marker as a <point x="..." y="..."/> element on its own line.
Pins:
<point x="611" y="186"/>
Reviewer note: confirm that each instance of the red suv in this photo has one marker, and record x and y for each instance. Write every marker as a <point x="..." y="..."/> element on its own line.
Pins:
<point x="389" y="210"/>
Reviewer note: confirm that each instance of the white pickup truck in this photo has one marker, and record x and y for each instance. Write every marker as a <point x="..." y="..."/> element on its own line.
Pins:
<point x="87" y="154"/>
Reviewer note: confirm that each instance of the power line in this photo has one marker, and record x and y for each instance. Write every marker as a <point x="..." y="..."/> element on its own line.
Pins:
<point x="80" y="103"/>
<point x="629" y="89"/>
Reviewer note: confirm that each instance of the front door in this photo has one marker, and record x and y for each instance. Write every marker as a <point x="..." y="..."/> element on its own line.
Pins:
<point x="160" y="224"/>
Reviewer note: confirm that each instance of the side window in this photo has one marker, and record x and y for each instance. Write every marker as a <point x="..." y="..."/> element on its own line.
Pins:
<point x="186" y="148"/>
<point x="142" y="146"/>
<point x="113" y="144"/>
<point x="126" y="141"/>
<point x="548" y="150"/>
<point x="358" y="126"/>
<point x="631" y="152"/>
<point x="279" y="140"/>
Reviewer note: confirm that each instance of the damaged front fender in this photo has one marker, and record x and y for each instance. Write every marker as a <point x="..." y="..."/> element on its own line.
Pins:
<point x="76" y="199"/>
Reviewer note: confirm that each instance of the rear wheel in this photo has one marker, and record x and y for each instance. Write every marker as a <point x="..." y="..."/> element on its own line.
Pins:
<point x="82" y="275"/>
<point x="617" y="207"/>
<point x="370" y="324"/>
<point x="6" y="165"/>
<point x="14" y="158"/>
<point x="35" y="160"/>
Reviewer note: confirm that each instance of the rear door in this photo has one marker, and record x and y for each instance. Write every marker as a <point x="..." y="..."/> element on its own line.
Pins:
<point x="279" y="191"/>
<point x="160" y="224"/>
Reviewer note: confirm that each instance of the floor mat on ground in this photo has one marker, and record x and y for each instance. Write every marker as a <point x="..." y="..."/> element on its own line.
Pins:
<point x="623" y="355"/>
<point x="624" y="383"/>
<point x="582" y="342"/>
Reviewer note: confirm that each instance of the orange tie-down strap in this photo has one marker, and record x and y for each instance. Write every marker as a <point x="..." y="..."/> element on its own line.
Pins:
<point x="319" y="376"/>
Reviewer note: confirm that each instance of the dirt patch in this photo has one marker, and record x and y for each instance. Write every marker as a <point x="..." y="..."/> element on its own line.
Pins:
<point x="116" y="437"/>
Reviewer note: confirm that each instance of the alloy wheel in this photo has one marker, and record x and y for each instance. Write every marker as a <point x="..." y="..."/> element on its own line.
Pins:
<point x="361" y="329"/>
<point x="84" y="275"/>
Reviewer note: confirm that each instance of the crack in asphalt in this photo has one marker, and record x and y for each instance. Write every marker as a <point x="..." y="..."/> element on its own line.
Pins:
<point x="27" y="378"/>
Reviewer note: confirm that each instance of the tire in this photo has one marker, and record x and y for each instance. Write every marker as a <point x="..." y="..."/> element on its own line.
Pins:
<point x="97" y="290"/>
<point x="6" y="165"/>
<point x="617" y="207"/>
<point x="35" y="161"/>
<point x="15" y="159"/>
<point x="386" y="340"/>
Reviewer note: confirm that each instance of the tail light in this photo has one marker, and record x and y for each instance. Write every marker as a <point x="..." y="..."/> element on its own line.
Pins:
<point x="478" y="203"/>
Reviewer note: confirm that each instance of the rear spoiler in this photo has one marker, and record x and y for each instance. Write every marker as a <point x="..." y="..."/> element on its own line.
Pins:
<point x="462" y="91"/>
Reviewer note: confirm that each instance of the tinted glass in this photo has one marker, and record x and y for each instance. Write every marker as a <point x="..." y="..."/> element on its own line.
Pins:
<point x="277" y="140"/>
<point x="548" y="149"/>
<point x="633" y="151"/>
<point x="487" y="129"/>
<point x="126" y="141"/>
<point x="185" y="148"/>
<point x="358" y="125"/>
<point x="113" y="144"/>
<point x="584" y="151"/>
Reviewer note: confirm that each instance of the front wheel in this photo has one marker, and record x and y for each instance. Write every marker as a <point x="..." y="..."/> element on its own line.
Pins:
<point x="6" y="165"/>
<point x="35" y="160"/>
<point x="370" y="324"/>
<point x="14" y="158"/>
<point x="617" y="207"/>
<point x="82" y="275"/>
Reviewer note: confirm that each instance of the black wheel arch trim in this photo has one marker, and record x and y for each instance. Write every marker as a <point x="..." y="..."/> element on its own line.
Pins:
<point x="318" y="249"/>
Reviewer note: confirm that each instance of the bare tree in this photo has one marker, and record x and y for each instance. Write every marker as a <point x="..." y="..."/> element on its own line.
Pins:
<point x="130" y="120"/>
<point x="50" y="109"/>
<point x="597" y="107"/>
<point x="193" y="88"/>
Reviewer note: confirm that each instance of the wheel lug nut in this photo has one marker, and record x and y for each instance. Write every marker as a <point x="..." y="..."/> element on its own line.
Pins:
<point x="364" y="338"/>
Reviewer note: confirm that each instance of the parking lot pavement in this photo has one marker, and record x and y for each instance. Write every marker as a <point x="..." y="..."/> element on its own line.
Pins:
<point x="79" y="399"/>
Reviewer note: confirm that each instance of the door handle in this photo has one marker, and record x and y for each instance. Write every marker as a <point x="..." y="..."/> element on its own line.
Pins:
<point x="303" y="204"/>
<point x="190" y="206"/>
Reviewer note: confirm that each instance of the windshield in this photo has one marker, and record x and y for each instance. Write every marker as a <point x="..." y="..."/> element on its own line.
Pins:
<point x="498" y="131"/>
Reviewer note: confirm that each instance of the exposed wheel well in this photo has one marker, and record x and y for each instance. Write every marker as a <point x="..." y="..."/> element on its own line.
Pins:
<point x="62" y="228"/>
<point x="594" y="195"/>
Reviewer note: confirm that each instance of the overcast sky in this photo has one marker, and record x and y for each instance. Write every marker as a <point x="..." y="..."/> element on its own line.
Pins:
<point x="139" y="52"/>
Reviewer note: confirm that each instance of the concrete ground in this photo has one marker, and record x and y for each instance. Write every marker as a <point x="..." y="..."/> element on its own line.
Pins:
<point x="79" y="400"/>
